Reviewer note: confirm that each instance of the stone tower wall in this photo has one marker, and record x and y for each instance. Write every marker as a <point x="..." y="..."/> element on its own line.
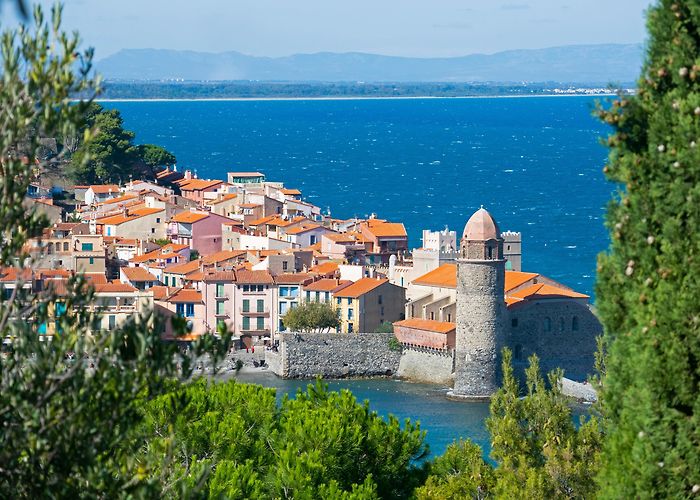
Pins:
<point x="481" y="316"/>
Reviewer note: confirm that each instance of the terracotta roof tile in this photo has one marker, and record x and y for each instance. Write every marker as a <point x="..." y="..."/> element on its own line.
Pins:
<point x="290" y="191"/>
<point x="185" y="295"/>
<point x="188" y="217"/>
<point x="226" y="197"/>
<point x="114" y="287"/>
<point x="222" y="256"/>
<point x="198" y="184"/>
<point x="514" y="279"/>
<point x="444" y="276"/>
<point x="104" y="188"/>
<point x="544" y="291"/>
<point x="220" y="276"/>
<point x="387" y="230"/>
<point x="360" y="287"/>
<point x="293" y="278"/>
<point x="427" y="325"/>
<point x="325" y="268"/>
<point x="302" y="229"/>
<point x="254" y="277"/>
<point x="184" y="268"/>
<point x="138" y="274"/>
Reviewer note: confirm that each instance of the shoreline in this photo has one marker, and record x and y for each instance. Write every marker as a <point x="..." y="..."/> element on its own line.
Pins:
<point x="341" y="98"/>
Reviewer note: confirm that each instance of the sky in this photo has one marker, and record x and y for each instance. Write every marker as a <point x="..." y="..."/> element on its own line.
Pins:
<point x="425" y="28"/>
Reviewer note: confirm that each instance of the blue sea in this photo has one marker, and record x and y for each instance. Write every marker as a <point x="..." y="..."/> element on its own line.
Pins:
<point x="534" y="163"/>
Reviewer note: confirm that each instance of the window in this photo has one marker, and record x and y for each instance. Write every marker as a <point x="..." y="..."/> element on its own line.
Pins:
<point x="92" y="260"/>
<point x="312" y="239"/>
<point x="449" y="318"/>
<point x="153" y="230"/>
<point x="574" y="324"/>
<point x="328" y="296"/>
<point x="261" y="305"/>
<point x="490" y="253"/>
<point x="351" y="313"/>
<point x="339" y="300"/>
<point x="260" y="323"/>
<point x="547" y="324"/>
<point x="246" y="288"/>
<point x="308" y="295"/>
<point x="65" y="246"/>
<point x="219" y="289"/>
<point x="180" y="309"/>
<point x="562" y="325"/>
<point x="350" y="327"/>
<point x="380" y="299"/>
<point x="246" y="305"/>
<point x="284" y="265"/>
<point x="220" y="308"/>
<point x="86" y="247"/>
<point x="284" y="306"/>
<point x="432" y="315"/>
<point x="112" y="322"/>
<point x="157" y="220"/>
<point x="381" y="311"/>
<point x="518" y="351"/>
<point x="285" y="291"/>
<point x="246" y="323"/>
<point x="349" y="301"/>
<point x="189" y="310"/>
<point x="318" y="296"/>
<point x="514" y="322"/>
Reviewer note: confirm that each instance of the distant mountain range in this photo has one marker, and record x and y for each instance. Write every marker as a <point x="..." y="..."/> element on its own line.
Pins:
<point x="594" y="64"/>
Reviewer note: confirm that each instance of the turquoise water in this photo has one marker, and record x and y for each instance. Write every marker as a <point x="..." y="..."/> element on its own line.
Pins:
<point x="444" y="420"/>
<point x="535" y="163"/>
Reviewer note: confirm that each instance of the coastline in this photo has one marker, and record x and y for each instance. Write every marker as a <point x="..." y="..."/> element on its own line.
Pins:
<point x="341" y="98"/>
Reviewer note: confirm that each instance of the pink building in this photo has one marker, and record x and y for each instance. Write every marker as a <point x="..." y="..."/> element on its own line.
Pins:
<point x="254" y="302"/>
<point x="195" y="189"/>
<point x="201" y="231"/>
<point x="184" y="303"/>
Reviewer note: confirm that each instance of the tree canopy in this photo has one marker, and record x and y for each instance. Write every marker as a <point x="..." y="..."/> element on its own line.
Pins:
<point x="311" y="316"/>
<point x="111" y="155"/>
<point x="648" y="285"/>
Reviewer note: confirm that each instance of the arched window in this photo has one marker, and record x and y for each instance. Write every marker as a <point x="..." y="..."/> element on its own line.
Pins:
<point x="547" y="324"/>
<point x="49" y="248"/>
<point x="574" y="324"/>
<point x="490" y="252"/>
<point x="65" y="246"/>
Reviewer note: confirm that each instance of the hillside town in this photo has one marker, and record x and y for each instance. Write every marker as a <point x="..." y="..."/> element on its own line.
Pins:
<point x="239" y="253"/>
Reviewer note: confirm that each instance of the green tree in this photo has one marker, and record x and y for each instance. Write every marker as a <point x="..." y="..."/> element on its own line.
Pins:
<point x="385" y="327"/>
<point x="155" y="156"/>
<point x="539" y="452"/>
<point x="110" y="155"/>
<point x="321" y="444"/>
<point x="63" y="421"/>
<point x="648" y="283"/>
<point x="311" y="316"/>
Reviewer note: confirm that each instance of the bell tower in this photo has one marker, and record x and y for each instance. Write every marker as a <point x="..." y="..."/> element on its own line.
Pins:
<point x="480" y="308"/>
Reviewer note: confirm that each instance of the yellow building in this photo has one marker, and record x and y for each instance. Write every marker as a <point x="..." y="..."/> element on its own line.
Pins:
<point x="369" y="302"/>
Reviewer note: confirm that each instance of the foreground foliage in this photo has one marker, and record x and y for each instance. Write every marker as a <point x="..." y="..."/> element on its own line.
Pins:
<point x="538" y="451"/>
<point x="649" y="283"/>
<point x="234" y="438"/>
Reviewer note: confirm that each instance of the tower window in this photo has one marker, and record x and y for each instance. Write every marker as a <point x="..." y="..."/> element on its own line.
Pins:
<point x="574" y="324"/>
<point x="490" y="252"/>
<point x="562" y="325"/>
<point x="547" y="324"/>
<point x="514" y="322"/>
<point x="518" y="354"/>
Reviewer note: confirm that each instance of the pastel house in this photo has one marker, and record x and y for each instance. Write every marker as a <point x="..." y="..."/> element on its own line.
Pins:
<point x="199" y="230"/>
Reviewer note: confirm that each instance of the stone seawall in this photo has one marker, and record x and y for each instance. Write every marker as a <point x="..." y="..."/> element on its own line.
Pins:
<point x="333" y="355"/>
<point x="427" y="365"/>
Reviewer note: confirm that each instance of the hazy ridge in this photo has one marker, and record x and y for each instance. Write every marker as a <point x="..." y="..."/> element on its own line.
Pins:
<point x="594" y="64"/>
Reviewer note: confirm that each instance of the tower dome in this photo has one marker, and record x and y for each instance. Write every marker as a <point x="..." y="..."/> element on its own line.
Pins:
<point x="481" y="239"/>
<point x="481" y="227"/>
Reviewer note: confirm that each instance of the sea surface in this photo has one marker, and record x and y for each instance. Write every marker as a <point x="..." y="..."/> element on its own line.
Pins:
<point x="534" y="163"/>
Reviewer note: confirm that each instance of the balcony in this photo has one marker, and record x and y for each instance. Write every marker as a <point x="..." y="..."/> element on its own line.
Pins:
<point x="252" y="330"/>
<point x="256" y="314"/>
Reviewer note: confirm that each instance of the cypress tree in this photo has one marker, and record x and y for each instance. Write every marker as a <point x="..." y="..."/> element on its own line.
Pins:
<point x="649" y="281"/>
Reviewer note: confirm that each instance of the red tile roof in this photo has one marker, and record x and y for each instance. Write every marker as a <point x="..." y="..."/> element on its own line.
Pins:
<point x="544" y="291"/>
<point x="514" y="279"/>
<point x="185" y="295"/>
<point x="427" y="325"/>
<point x="184" y="268"/>
<point x="387" y="229"/>
<point x="138" y="274"/>
<point x="104" y="188"/>
<point x="198" y="184"/>
<point x="113" y="287"/>
<point x="254" y="277"/>
<point x="293" y="278"/>
<point x="325" y="268"/>
<point x="444" y="276"/>
<point x="188" y="217"/>
<point x="360" y="287"/>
